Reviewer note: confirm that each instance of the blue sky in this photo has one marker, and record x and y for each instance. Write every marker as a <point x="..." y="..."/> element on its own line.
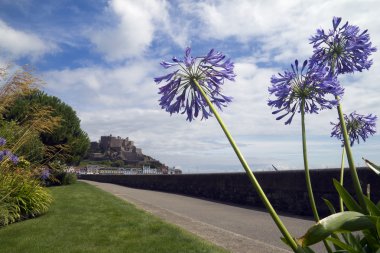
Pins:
<point x="100" y="57"/>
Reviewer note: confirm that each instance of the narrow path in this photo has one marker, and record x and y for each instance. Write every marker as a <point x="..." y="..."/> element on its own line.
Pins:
<point x="237" y="229"/>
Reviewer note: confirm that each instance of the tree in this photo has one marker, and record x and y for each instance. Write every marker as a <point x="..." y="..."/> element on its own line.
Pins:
<point x="67" y="141"/>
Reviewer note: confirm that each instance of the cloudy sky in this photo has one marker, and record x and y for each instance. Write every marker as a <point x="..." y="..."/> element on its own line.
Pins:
<point x="100" y="57"/>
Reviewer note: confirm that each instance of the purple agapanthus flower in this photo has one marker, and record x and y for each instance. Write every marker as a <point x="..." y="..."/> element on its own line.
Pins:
<point x="9" y="154"/>
<point x="180" y="93"/>
<point x="45" y="174"/>
<point x="4" y="153"/>
<point x="358" y="126"/>
<point x="2" y="141"/>
<point x="343" y="49"/>
<point x="14" y="159"/>
<point x="310" y="84"/>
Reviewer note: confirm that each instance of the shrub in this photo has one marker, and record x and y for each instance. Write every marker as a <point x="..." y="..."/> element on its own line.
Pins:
<point x="60" y="178"/>
<point x="58" y="175"/>
<point x="21" y="150"/>
<point x="22" y="197"/>
<point x="69" y="178"/>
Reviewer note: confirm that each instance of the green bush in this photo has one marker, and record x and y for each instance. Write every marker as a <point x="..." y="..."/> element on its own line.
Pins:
<point x="61" y="178"/>
<point x="69" y="178"/>
<point x="58" y="175"/>
<point x="9" y="213"/>
<point x="22" y="197"/>
<point x="22" y="150"/>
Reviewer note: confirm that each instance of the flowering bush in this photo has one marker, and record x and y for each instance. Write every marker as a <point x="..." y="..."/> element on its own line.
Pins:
<point x="7" y="154"/>
<point x="21" y="195"/>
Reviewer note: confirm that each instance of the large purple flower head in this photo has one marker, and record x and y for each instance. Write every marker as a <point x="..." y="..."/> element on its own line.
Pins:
<point x="180" y="94"/>
<point x="310" y="84"/>
<point x="343" y="49"/>
<point x="358" y="126"/>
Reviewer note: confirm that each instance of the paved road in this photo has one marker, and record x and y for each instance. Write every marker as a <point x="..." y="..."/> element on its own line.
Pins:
<point x="237" y="229"/>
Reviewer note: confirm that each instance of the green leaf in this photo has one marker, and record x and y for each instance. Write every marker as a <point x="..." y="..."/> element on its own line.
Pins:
<point x="342" y="245"/>
<point x="340" y="222"/>
<point x="371" y="238"/>
<point x="337" y="248"/>
<point x="329" y="205"/>
<point x="348" y="200"/>
<point x="354" y="241"/>
<point x="372" y="166"/>
<point x="378" y="227"/>
<point x="372" y="208"/>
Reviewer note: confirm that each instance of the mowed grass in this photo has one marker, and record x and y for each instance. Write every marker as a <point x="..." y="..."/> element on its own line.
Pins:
<point x="83" y="218"/>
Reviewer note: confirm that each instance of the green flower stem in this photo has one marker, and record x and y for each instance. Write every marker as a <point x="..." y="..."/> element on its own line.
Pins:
<point x="307" y="172"/>
<point x="255" y="183"/>
<point x="354" y="174"/>
<point x="341" y="178"/>
<point x="306" y="165"/>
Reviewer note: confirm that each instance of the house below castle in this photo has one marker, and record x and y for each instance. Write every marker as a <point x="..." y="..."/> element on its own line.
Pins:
<point x="145" y="170"/>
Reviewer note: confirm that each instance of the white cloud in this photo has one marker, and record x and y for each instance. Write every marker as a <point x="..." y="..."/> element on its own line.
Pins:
<point x="15" y="44"/>
<point x="281" y="27"/>
<point x="91" y="88"/>
<point x="134" y="31"/>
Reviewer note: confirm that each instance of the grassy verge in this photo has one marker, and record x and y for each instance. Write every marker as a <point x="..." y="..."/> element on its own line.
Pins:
<point x="86" y="219"/>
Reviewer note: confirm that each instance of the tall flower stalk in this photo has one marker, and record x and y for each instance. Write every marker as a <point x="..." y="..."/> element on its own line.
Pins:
<point x="306" y="165"/>
<point x="195" y="86"/>
<point x="341" y="180"/>
<point x="304" y="90"/>
<point x="343" y="49"/>
<point x="350" y="159"/>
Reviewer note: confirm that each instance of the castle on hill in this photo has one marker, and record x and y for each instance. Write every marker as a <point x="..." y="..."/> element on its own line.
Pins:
<point x="123" y="149"/>
<point x="115" y="148"/>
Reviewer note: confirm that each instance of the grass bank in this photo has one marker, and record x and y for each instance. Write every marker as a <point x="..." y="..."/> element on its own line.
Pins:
<point x="83" y="219"/>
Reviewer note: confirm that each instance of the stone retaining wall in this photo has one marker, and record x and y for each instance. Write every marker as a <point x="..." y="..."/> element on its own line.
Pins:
<point x="285" y="189"/>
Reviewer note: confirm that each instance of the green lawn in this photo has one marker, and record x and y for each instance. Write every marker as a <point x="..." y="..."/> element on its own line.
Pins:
<point x="86" y="219"/>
